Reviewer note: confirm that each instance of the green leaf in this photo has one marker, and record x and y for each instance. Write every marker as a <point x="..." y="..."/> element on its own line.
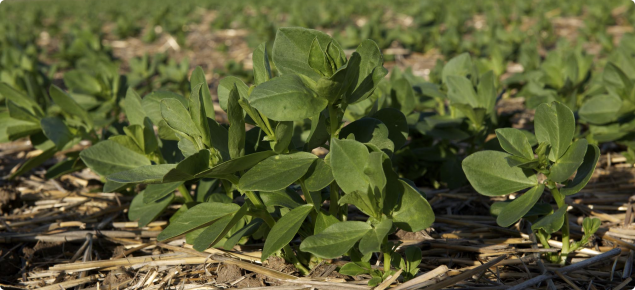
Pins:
<point x="460" y="65"/>
<point x="352" y="269"/>
<point x="225" y="86"/>
<point x="539" y="209"/>
<point x="585" y="171"/>
<point x="108" y="157"/>
<point x="286" y="98"/>
<point x="155" y="192"/>
<point x="348" y="161"/>
<point x="212" y="232"/>
<point x="601" y="109"/>
<point x="145" y="212"/>
<point x="215" y="233"/>
<point x="291" y="50"/>
<point x="189" y="167"/>
<point x="564" y="167"/>
<point x="236" y="132"/>
<point x="403" y="95"/>
<point x="262" y="69"/>
<point x="277" y="172"/>
<point x="285" y="198"/>
<point x="323" y="220"/>
<point x="414" y="212"/>
<point x="318" y="60"/>
<point x="198" y="77"/>
<point x="20" y="99"/>
<point x="235" y="165"/>
<point x="551" y="223"/>
<point x="69" y="105"/>
<point x="248" y="230"/>
<point x="490" y="174"/>
<point x="82" y="82"/>
<point x="142" y="174"/>
<point x="461" y="91"/>
<point x="18" y="113"/>
<point x="372" y="241"/>
<point x="369" y="130"/>
<point x="335" y="240"/>
<point x="34" y="162"/>
<point x="364" y="77"/>
<point x="318" y="176"/>
<point x="284" y="230"/>
<point x="486" y="91"/>
<point x="152" y="104"/>
<point x="515" y="142"/>
<point x="198" y="113"/>
<point x="284" y="134"/>
<point x="555" y="125"/>
<point x="515" y="210"/>
<point x="396" y="123"/>
<point x="55" y="129"/>
<point x="197" y="216"/>
<point x="177" y="117"/>
<point x="133" y="108"/>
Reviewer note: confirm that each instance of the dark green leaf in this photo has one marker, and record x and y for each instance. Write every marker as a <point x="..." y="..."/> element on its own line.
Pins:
<point x="284" y="230"/>
<point x="564" y="167"/>
<point x="490" y="174"/>
<point x="520" y="206"/>
<point x="286" y="98"/>
<point x="335" y="240"/>
<point x="277" y="172"/>
<point x="197" y="216"/>
<point x="585" y="171"/>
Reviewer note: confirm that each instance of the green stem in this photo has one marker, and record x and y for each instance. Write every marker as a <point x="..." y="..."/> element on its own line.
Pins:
<point x="266" y="216"/>
<point x="387" y="260"/>
<point x="335" y="123"/>
<point x="309" y="200"/>
<point x="334" y="206"/>
<point x="186" y="193"/>
<point x="565" y="227"/>
<point x="266" y="121"/>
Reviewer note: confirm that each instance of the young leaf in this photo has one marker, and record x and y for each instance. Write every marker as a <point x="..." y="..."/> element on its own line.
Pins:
<point x="277" y="172"/>
<point x="585" y="171"/>
<point x="177" y="117"/>
<point x="323" y="220"/>
<point x="490" y="174"/>
<point x="236" y="133"/>
<point x="286" y="98"/>
<point x="198" y="113"/>
<point x="152" y="104"/>
<point x="132" y="106"/>
<point x="486" y="91"/>
<point x="284" y="134"/>
<point x="564" y="167"/>
<point x="197" y="216"/>
<point x="461" y="91"/>
<point x="55" y="129"/>
<point x="291" y="50"/>
<point x="414" y="212"/>
<point x="262" y="70"/>
<point x="363" y="78"/>
<point x="369" y="130"/>
<point x="515" y="142"/>
<point x="226" y="85"/>
<point x="348" y="161"/>
<point x="335" y="240"/>
<point x="460" y="65"/>
<point x="284" y="230"/>
<point x="198" y="77"/>
<point x="555" y="125"/>
<point x="515" y="210"/>
<point x="551" y="223"/>
<point x="404" y="95"/>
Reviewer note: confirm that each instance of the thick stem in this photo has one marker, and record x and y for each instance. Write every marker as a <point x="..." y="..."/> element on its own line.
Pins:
<point x="186" y="193"/>
<point x="387" y="261"/>
<point x="266" y="216"/>
<point x="565" y="227"/>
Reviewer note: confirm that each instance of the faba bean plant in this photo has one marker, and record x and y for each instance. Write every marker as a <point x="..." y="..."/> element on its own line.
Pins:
<point x="549" y="166"/>
<point x="264" y="183"/>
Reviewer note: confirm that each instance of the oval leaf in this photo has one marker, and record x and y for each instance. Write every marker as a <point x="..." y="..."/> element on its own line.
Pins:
<point x="519" y="207"/>
<point x="490" y="174"/>
<point x="564" y="167"/>
<point x="335" y="240"/>
<point x="277" y="172"/>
